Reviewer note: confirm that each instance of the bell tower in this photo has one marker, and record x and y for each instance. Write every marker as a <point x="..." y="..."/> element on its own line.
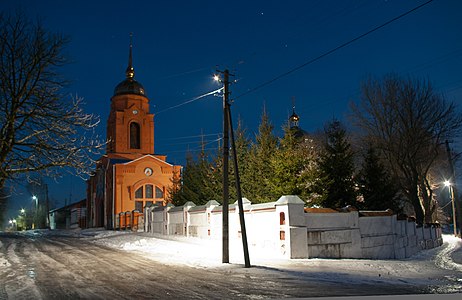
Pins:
<point x="130" y="126"/>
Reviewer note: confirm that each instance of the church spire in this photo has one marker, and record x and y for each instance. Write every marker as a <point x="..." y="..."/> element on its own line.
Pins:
<point x="130" y="72"/>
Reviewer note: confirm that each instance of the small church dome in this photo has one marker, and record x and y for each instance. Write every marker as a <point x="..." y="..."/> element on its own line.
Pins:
<point x="129" y="86"/>
<point x="294" y="118"/>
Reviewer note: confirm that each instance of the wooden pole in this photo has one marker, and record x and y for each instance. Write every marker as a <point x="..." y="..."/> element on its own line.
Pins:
<point x="239" y="194"/>
<point x="225" y="211"/>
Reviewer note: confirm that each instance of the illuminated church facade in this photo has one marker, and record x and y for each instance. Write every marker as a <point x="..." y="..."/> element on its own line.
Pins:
<point x="129" y="176"/>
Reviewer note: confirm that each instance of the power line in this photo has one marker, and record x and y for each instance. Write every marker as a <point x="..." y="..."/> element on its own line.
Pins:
<point x="192" y="136"/>
<point x="190" y="100"/>
<point x="330" y="51"/>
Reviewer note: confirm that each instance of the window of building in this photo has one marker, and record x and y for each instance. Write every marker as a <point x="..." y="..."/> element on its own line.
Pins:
<point x="145" y="192"/>
<point x="139" y="206"/>
<point x="135" y="135"/>
<point x="139" y="193"/>
<point x="148" y="190"/>
<point x="159" y="193"/>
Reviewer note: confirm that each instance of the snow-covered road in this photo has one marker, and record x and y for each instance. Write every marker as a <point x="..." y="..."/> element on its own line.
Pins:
<point x="124" y="265"/>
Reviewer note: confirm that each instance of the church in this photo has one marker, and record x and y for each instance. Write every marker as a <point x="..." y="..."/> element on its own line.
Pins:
<point x="129" y="176"/>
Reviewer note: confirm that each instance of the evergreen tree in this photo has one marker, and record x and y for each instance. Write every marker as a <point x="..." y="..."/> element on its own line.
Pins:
<point x="288" y="164"/>
<point x="336" y="164"/>
<point x="195" y="185"/>
<point x="175" y="187"/>
<point x="242" y="152"/>
<point x="375" y="184"/>
<point x="205" y="191"/>
<point x="190" y="184"/>
<point x="261" y="151"/>
<point x="294" y="164"/>
<point x="215" y="176"/>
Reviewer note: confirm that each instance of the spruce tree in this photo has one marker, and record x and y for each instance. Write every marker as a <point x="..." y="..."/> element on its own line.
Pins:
<point x="336" y="164"/>
<point x="195" y="185"/>
<point x="190" y="183"/>
<point x="215" y="176"/>
<point x="260" y="162"/>
<point x="287" y="164"/>
<point x="242" y="152"/>
<point x="375" y="184"/>
<point x="175" y="187"/>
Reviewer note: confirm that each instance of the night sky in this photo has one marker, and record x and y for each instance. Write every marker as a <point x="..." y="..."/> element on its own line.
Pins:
<point x="178" y="45"/>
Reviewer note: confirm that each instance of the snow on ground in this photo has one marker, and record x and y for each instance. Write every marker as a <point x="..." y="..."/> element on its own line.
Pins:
<point x="439" y="268"/>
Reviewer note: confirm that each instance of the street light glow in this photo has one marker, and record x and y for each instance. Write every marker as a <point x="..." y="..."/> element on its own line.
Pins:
<point x="216" y="77"/>
<point x="447" y="183"/>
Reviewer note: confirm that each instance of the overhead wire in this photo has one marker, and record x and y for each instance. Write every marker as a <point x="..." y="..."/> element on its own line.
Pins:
<point x="302" y="65"/>
<point x="192" y="136"/>
<point x="331" y="51"/>
<point x="190" y="100"/>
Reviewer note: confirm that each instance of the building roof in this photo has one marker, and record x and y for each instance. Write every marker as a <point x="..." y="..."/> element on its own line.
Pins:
<point x="129" y="86"/>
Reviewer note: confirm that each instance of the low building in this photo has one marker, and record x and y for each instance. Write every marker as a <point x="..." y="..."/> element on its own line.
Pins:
<point x="71" y="216"/>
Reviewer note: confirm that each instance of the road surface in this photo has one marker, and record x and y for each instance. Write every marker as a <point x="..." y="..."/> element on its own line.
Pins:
<point x="63" y="267"/>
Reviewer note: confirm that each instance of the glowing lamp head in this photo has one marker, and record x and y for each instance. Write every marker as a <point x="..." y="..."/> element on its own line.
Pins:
<point x="23" y="210"/>
<point x="447" y="183"/>
<point x="216" y="78"/>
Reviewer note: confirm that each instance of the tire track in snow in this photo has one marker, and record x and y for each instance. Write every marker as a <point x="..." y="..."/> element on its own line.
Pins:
<point x="443" y="258"/>
<point x="17" y="282"/>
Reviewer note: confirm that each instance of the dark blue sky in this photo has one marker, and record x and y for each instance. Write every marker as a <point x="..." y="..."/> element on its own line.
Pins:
<point x="178" y="44"/>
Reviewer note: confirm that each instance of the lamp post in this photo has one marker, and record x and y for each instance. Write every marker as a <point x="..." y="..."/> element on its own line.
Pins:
<point x="451" y="194"/>
<point x="13" y="224"/>
<point x="35" y="198"/>
<point x="23" y="219"/>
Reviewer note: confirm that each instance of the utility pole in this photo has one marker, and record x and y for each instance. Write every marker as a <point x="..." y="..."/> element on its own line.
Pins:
<point x="453" y="192"/>
<point x="225" y="211"/>
<point x="227" y="128"/>
<point x="239" y="195"/>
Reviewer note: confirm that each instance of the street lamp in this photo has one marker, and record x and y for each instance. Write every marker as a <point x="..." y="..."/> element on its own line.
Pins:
<point x="22" y="218"/>
<point x="13" y="224"/>
<point x="451" y="194"/>
<point x="35" y="198"/>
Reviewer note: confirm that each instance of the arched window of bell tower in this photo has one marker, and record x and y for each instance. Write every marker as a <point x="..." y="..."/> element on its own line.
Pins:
<point x="135" y="136"/>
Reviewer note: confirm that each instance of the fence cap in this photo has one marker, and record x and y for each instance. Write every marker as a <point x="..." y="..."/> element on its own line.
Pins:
<point x="289" y="199"/>
<point x="189" y="204"/>
<point x="212" y="203"/>
<point x="244" y="201"/>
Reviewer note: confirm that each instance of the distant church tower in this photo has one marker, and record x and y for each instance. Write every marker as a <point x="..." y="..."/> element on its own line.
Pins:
<point x="294" y="118"/>
<point x="294" y="125"/>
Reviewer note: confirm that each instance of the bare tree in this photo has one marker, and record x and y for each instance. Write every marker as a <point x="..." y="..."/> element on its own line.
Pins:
<point x="408" y="121"/>
<point x="41" y="129"/>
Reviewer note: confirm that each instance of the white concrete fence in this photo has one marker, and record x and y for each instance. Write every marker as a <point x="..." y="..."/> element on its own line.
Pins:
<point x="285" y="229"/>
